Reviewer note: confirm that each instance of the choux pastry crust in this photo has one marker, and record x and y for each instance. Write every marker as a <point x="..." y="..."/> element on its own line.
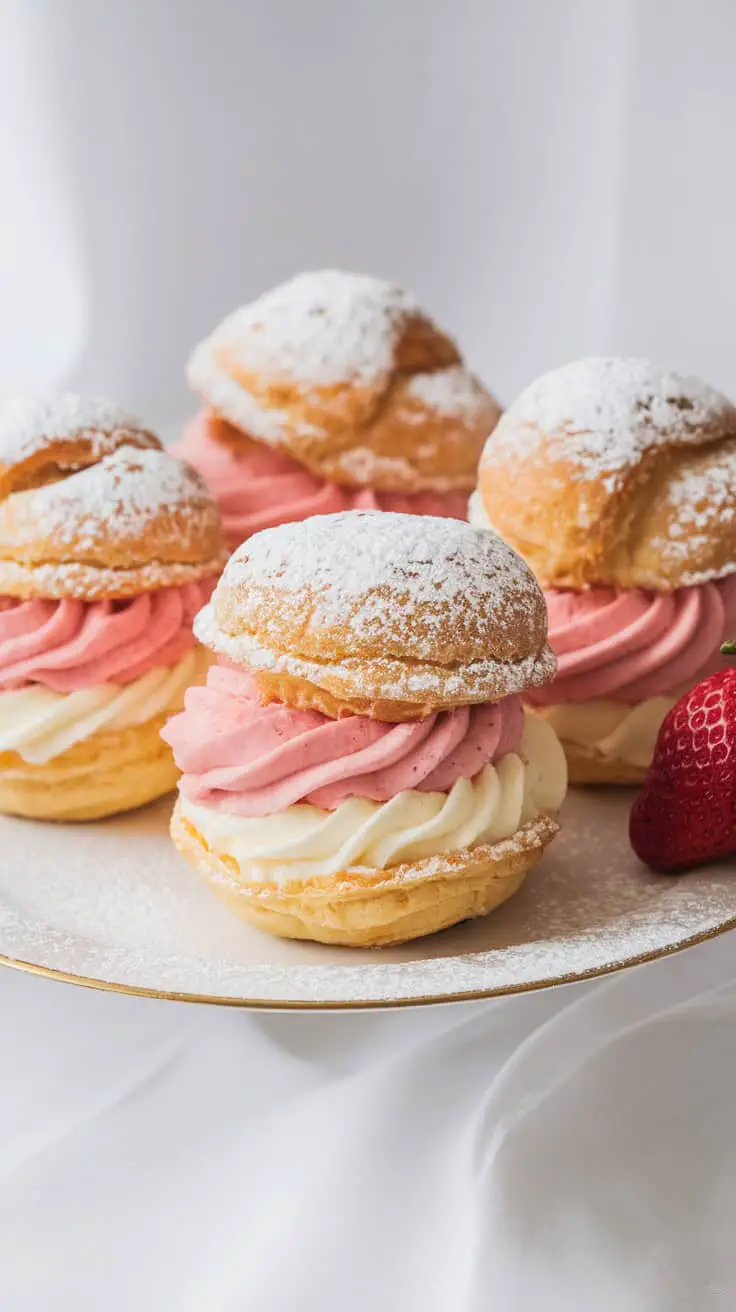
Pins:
<point x="611" y="472"/>
<point x="589" y="768"/>
<point x="306" y="696"/>
<point x="85" y="517"/>
<point x="347" y="374"/>
<point x="393" y="616"/>
<point x="373" y="908"/>
<point x="110" y="772"/>
<point x="43" y="438"/>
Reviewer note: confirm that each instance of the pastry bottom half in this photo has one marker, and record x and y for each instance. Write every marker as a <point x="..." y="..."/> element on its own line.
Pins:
<point x="109" y="772"/>
<point x="373" y="908"/>
<point x="607" y="742"/>
<point x="587" y="768"/>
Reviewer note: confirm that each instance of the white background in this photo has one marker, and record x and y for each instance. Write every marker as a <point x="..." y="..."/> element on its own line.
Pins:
<point x="552" y="178"/>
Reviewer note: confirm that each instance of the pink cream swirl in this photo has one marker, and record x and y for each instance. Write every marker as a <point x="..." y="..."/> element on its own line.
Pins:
<point x="259" y="488"/>
<point x="68" y="645"/>
<point x="632" y="645"/>
<point x="240" y="756"/>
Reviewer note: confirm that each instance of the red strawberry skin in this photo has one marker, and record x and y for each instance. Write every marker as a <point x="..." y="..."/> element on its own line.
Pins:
<point x="685" y="814"/>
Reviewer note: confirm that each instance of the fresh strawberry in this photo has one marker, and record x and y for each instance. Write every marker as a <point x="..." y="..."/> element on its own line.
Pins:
<point x="686" y="812"/>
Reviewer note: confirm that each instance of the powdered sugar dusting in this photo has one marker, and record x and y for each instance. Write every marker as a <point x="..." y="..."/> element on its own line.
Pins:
<point x="27" y="423"/>
<point x="364" y="467"/>
<point x="481" y="680"/>
<point x="366" y="558"/>
<point x="702" y="496"/>
<point x="151" y="923"/>
<point x="433" y="608"/>
<point x="603" y="413"/>
<point x="92" y="582"/>
<point x="322" y="328"/>
<point x="121" y="497"/>
<point x="698" y="493"/>
<point x="453" y="393"/>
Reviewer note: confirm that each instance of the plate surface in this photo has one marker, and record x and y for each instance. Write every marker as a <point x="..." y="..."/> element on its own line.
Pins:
<point x="113" y="906"/>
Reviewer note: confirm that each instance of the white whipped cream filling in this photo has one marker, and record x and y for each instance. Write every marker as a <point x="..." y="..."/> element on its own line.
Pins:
<point x="304" y="842"/>
<point x="610" y="730"/>
<point x="39" y="724"/>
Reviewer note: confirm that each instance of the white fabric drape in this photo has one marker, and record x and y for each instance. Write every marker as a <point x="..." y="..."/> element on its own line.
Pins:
<point x="552" y="179"/>
<point x="559" y="1150"/>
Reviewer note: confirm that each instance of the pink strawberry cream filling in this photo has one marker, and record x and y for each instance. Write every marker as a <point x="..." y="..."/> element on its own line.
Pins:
<point x="259" y="488"/>
<point x="633" y="645"/>
<point x="240" y="756"/>
<point x="71" y="645"/>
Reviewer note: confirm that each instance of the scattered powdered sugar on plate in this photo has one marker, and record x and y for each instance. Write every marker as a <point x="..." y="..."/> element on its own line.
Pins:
<point x="112" y="901"/>
<point x="322" y="328"/>
<point x="603" y="413"/>
<point x="27" y="423"/>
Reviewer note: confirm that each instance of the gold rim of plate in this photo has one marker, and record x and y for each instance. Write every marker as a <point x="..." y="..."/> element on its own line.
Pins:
<point x="375" y="1004"/>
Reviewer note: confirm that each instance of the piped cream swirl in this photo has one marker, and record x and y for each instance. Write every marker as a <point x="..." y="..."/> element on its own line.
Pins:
<point x="240" y="755"/>
<point x="39" y="724"/>
<point x="73" y="645"/>
<point x="258" y="487"/>
<point x="632" y="646"/>
<point x="305" y="842"/>
<point x="610" y="731"/>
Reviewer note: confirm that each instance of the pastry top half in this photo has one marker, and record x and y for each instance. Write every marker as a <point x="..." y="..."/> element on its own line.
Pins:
<point x="392" y="616"/>
<point x="351" y="378"/>
<point x="91" y="507"/>
<point x="613" y="472"/>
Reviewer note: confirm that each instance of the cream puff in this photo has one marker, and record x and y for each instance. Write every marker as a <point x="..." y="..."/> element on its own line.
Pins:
<point x="334" y="392"/>
<point x="358" y="768"/>
<point x="616" y="482"/>
<point x="108" y="549"/>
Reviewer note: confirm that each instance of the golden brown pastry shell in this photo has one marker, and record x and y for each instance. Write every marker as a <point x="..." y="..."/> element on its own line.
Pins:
<point x="373" y="429"/>
<point x="360" y="908"/>
<point x="395" y="642"/>
<point x="75" y="536"/>
<point x="47" y="455"/>
<point x="110" y="772"/>
<point x="536" y="508"/>
<point x="395" y="443"/>
<point x="661" y="516"/>
<point x="305" y="696"/>
<point x="588" y="768"/>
